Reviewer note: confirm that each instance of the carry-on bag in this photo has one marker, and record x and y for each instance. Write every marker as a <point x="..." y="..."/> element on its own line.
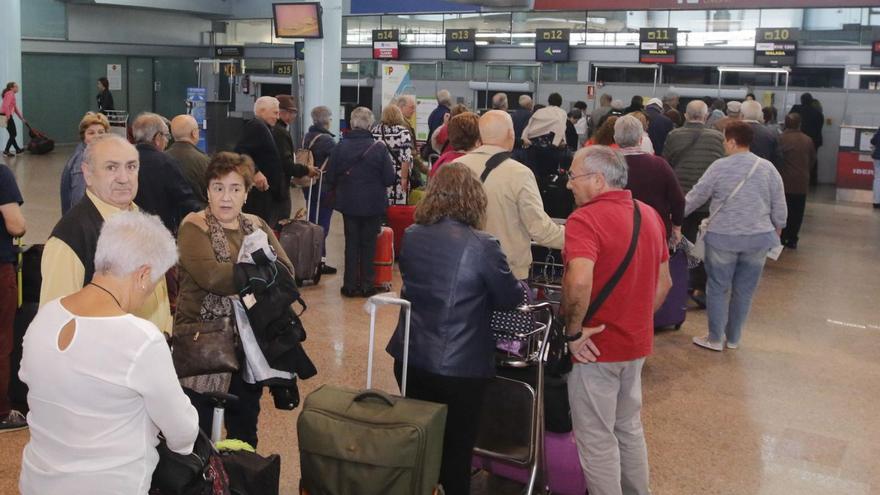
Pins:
<point x="383" y="262"/>
<point x="40" y="144"/>
<point x="303" y="242"/>
<point x="400" y="217"/>
<point x="674" y="309"/>
<point x="369" y="442"/>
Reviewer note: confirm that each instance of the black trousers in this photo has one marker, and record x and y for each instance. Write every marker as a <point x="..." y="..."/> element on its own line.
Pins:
<point x="360" y="250"/>
<point x="241" y="416"/>
<point x="796" y="204"/>
<point x="689" y="228"/>
<point x="13" y="133"/>
<point x="464" y="398"/>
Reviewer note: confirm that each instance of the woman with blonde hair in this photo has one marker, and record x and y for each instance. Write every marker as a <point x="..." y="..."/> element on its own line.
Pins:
<point x="454" y="275"/>
<point x="393" y="131"/>
<point x="73" y="185"/>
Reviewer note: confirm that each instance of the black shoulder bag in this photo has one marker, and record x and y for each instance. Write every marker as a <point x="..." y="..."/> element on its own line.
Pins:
<point x="493" y="162"/>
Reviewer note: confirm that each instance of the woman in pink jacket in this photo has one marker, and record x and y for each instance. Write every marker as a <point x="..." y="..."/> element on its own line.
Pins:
<point x="7" y="108"/>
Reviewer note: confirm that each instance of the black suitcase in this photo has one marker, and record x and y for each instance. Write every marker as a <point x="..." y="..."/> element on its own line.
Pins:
<point x="558" y="200"/>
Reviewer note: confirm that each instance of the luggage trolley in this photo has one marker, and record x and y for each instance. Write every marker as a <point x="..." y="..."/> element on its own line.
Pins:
<point x="515" y="435"/>
<point x="118" y="122"/>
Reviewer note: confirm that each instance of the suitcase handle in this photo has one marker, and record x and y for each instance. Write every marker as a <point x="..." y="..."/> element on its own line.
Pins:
<point x="387" y="299"/>
<point x="375" y="394"/>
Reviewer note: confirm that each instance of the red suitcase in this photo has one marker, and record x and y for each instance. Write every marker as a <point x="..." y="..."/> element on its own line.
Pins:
<point x="399" y="218"/>
<point x="384" y="260"/>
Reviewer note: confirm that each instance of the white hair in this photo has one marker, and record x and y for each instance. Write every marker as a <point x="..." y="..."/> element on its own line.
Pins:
<point x="499" y="101"/>
<point x="751" y="110"/>
<point x="402" y="100"/>
<point x="696" y="111"/>
<point x="606" y="161"/>
<point x="628" y="131"/>
<point x="444" y="98"/>
<point x="525" y="101"/>
<point x="266" y="102"/>
<point x="89" y="153"/>
<point x="321" y="116"/>
<point x="130" y="240"/>
<point x="146" y="126"/>
<point x="361" y="118"/>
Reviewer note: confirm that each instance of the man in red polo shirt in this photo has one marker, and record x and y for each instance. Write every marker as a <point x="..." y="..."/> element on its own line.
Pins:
<point x="604" y="386"/>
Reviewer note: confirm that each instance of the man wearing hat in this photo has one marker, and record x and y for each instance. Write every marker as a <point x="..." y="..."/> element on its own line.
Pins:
<point x="659" y="125"/>
<point x="734" y="113"/>
<point x="284" y="142"/>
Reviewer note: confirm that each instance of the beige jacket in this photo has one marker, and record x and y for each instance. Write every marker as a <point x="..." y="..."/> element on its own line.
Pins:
<point x="544" y="121"/>
<point x="515" y="213"/>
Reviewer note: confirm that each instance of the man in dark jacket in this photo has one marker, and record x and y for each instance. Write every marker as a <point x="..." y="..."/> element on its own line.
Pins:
<point x="265" y="198"/>
<point x="444" y="104"/>
<point x="798" y="155"/>
<point x="284" y="143"/>
<point x="812" y="120"/>
<point x="659" y="125"/>
<point x="193" y="163"/>
<point x="359" y="171"/>
<point x="162" y="189"/>
<point x="521" y="118"/>
<point x="766" y="142"/>
<point x="321" y="141"/>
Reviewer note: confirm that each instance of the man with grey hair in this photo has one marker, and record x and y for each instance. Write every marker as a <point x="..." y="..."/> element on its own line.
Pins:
<point x="321" y="141"/>
<point x="407" y="105"/>
<point x="670" y="101"/>
<point x="265" y="198"/>
<point x="110" y="169"/>
<point x="499" y="101"/>
<point x="690" y="150"/>
<point x="444" y="105"/>
<point x="521" y="118"/>
<point x="766" y="142"/>
<point x="609" y="343"/>
<point x="193" y="162"/>
<point x="162" y="189"/>
<point x="515" y="214"/>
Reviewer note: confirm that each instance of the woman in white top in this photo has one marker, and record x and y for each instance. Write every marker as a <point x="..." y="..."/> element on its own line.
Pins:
<point x="102" y="384"/>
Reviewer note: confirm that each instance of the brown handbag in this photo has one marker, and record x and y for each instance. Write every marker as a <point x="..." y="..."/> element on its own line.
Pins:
<point x="205" y="347"/>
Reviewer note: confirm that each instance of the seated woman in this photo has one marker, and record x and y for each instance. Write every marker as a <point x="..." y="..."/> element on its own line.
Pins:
<point x="454" y="275"/>
<point x="73" y="184"/>
<point x="102" y="384"/>
<point x="209" y="244"/>
<point x="464" y="136"/>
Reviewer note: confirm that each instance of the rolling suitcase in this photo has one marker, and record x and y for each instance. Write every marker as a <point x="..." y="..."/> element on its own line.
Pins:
<point x="368" y="442"/>
<point x="303" y="242"/>
<point x="383" y="262"/>
<point x="674" y="309"/>
<point x="39" y="144"/>
<point x="399" y="218"/>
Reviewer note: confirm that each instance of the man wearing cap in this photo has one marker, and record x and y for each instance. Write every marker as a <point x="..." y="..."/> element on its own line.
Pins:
<point x="659" y="125"/>
<point x="284" y="142"/>
<point x="734" y="113"/>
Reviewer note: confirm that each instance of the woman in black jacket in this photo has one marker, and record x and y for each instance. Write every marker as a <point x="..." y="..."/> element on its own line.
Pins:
<point x="454" y="275"/>
<point x="358" y="173"/>
<point x="104" y="97"/>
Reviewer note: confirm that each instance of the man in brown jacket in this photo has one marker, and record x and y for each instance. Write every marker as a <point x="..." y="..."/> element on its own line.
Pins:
<point x="798" y="154"/>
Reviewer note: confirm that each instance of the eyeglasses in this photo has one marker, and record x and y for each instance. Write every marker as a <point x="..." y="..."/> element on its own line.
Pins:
<point x="573" y="177"/>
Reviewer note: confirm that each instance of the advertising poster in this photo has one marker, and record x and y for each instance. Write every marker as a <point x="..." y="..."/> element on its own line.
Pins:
<point x="114" y="76"/>
<point x="424" y="108"/>
<point x="195" y="106"/>
<point x="395" y="81"/>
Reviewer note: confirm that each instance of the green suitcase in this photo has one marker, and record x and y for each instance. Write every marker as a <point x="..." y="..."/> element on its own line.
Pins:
<point x="368" y="442"/>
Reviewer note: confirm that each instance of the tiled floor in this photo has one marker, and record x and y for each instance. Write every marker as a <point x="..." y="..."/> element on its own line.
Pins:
<point x="792" y="412"/>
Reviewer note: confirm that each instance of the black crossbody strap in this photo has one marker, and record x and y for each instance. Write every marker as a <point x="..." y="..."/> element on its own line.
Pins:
<point x="618" y="274"/>
<point x="493" y="162"/>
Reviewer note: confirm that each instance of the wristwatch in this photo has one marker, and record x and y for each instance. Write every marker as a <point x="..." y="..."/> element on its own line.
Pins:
<point x="572" y="338"/>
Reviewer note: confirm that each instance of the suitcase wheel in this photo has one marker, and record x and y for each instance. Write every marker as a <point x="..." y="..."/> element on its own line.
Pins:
<point x="678" y="327"/>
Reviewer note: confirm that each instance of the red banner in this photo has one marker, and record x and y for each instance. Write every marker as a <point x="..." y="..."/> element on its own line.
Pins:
<point x="691" y="4"/>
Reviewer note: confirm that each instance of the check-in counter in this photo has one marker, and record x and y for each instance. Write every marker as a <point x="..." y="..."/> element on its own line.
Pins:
<point x="855" y="167"/>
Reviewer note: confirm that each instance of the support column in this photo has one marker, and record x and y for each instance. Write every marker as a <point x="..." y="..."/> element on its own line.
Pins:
<point x="323" y="65"/>
<point x="10" y="55"/>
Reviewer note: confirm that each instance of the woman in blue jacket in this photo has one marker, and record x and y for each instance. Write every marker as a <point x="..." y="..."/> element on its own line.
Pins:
<point x="454" y="275"/>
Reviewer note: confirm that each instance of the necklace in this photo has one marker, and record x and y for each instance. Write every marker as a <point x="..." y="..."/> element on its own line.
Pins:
<point x="108" y="292"/>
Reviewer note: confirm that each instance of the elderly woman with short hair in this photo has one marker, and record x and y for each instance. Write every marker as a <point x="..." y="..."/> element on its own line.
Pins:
<point x="464" y="136"/>
<point x="101" y="381"/>
<point x="359" y="171"/>
<point x="651" y="179"/>
<point x="454" y="275"/>
<point x="73" y="184"/>
<point x="321" y="141"/>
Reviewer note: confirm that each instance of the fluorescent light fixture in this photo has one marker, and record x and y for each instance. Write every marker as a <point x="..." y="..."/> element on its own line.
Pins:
<point x="626" y="66"/>
<point x="769" y="70"/>
<point x="516" y="64"/>
<point x="863" y="73"/>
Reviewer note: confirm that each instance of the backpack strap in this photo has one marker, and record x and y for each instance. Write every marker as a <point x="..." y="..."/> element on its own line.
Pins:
<point x="493" y="162"/>
<point x="621" y="269"/>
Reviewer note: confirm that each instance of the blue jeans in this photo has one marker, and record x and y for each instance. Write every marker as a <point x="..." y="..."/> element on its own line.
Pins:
<point x="877" y="182"/>
<point x="732" y="280"/>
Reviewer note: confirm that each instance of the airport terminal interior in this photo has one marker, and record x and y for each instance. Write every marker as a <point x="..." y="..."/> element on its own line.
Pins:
<point x="791" y="411"/>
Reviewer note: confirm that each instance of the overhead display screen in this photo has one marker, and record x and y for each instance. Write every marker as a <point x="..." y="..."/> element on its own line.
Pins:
<point x="551" y="45"/>
<point x="461" y="44"/>
<point x="386" y="44"/>
<point x="875" y="54"/>
<point x="776" y="47"/>
<point x="297" y="20"/>
<point x="658" y="45"/>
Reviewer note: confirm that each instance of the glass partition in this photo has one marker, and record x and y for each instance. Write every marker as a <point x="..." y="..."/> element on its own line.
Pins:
<point x="358" y="30"/>
<point x="621" y="27"/>
<point x="715" y="27"/>
<point x="524" y="25"/>
<point x="417" y="29"/>
<point x="832" y="26"/>
<point x="493" y="28"/>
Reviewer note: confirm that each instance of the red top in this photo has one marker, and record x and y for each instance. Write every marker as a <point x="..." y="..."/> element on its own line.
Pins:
<point x="441" y="137"/>
<point x="601" y="231"/>
<point x="448" y="157"/>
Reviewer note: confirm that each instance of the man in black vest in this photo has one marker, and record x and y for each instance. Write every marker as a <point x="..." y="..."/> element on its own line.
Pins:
<point x="265" y="198"/>
<point x="110" y="168"/>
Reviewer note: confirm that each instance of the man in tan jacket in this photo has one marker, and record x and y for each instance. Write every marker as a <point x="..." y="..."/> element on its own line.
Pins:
<point x="515" y="213"/>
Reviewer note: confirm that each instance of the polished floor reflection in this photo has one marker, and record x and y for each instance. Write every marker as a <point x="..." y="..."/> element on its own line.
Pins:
<point x="793" y="411"/>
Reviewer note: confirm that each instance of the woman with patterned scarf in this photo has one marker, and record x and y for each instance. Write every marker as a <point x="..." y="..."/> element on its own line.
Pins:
<point x="209" y="242"/>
